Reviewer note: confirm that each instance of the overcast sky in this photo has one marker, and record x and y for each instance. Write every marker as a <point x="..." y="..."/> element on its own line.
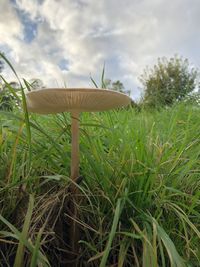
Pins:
<point x="64" y="42"/>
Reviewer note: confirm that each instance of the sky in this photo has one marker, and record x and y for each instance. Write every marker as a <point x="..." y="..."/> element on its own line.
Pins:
<point x="65" y="42"/>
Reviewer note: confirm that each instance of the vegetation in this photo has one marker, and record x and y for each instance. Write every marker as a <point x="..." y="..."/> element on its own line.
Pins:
<point x="140" y="201"/>
<point x="116" y="86"/>
<point x="109" y="84"/>
<point x="36" y="83"/>
<point x="1" y="65"/>
<point x="168" y="81"/>
<point x="9" y="90"/>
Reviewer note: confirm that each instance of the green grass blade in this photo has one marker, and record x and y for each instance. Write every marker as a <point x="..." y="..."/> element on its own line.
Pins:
<point x="93" y="81"/>
<point x="10" y="65"/>
<point x="112" y="234"/>
<point x="20" y="250"/>
<point x="102" y="77"/>
<point x="175" y="259"/>
<point x="27" y="122"/>
<point x="35" y="255"/>
<point x="28" y="86"/>
<point x="11" y="89"/>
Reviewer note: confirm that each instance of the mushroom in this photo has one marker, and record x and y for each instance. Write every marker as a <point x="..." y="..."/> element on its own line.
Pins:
<point x="74" y="100"/>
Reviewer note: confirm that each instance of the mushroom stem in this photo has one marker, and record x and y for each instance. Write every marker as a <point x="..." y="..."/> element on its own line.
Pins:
<point x="74" y="229"/>
<point x="75" y="145"/>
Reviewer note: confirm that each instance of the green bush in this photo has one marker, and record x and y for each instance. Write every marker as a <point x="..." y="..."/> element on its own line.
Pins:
<point x="168" y="81"/>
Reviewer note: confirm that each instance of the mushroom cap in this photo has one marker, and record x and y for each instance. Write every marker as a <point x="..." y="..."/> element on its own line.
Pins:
<point x="53" y="100"/>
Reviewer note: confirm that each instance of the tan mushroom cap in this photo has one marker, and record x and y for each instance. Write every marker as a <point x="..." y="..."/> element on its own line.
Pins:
<point x="55" y="100"/>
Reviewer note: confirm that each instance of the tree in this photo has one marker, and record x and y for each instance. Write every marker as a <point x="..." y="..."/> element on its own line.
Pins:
<point x="116" y="86"/>
<point x="168" y="81"/>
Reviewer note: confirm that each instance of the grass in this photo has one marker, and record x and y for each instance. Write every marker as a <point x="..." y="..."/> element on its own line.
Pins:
<point x="139" y="197"/>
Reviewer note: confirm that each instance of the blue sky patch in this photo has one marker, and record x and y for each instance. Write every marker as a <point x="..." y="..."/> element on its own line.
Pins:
<point x="29" y="25"/>
<point x="64" y="64"/>
<point x="30" y="28"/>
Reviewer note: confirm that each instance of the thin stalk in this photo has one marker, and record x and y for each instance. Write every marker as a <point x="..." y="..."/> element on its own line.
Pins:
<point x="74" y="230"/>
<point x="75" y="145"/>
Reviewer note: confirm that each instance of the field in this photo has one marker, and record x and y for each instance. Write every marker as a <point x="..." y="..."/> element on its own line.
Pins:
<point x="139" y="199"/>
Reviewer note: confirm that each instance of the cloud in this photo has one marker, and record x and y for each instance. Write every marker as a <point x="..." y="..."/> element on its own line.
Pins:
<point x="10" y="27"/>
<point x="66" y="41"/>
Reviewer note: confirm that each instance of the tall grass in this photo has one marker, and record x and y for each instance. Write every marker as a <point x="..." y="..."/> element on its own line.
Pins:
<point x="140" y="192"/>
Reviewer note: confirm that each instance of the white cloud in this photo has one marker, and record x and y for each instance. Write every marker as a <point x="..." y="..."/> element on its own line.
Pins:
<point x="127" y="35"/>
<point x="30" y="7"/>
<point x="10" y="27"/>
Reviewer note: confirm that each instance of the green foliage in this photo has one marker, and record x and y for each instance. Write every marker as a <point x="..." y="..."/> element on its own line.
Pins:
<point x="193" y="98"/>
<point x="109" y="84"/>
<point x="8" y="95"/>
<point x="140" y="193"/>
<point x="168" y="81"/>
<point x="9" y="91"/>
<point x="116" y="86"/>
<point x="36" y="84"/>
